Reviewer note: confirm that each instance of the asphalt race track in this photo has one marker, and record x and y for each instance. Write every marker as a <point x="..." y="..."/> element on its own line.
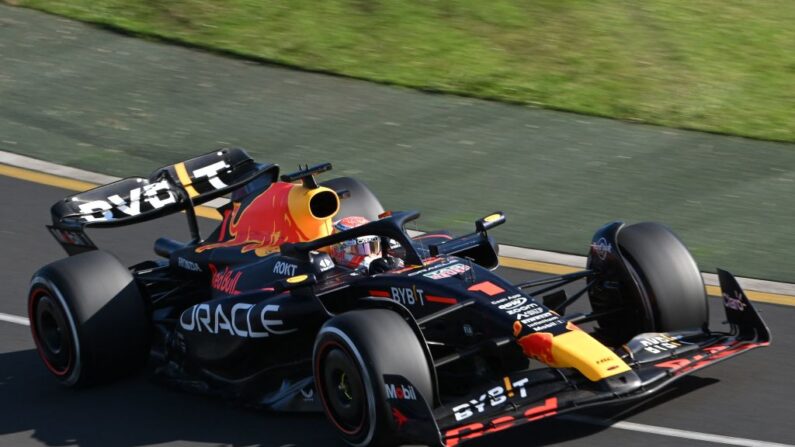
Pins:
<point x="750" y="397"/>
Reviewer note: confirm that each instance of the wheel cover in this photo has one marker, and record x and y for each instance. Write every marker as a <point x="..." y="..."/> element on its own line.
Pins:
<point x="342" y="388"/>
<point x="51" y="332"/>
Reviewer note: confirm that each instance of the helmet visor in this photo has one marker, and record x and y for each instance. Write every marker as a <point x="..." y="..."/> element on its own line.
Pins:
<point x="363" y="246"/>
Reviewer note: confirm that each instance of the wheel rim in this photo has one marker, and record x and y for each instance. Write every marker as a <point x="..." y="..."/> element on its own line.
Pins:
<point x="51" y="333"/>
<point x="342" y="389"/>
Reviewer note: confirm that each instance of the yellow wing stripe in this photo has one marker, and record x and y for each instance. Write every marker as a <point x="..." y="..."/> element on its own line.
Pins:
<point x="184" y="178"/>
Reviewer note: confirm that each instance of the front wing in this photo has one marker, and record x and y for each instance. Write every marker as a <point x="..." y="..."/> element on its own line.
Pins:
<point x="656" y="360"/>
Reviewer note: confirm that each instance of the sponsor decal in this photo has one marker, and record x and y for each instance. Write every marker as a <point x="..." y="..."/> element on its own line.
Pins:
<point x="411" y="296"/>
<point x="512" y="302"/>
<point x="708" y="355"/>
<point x="734" y="302"/>
<point x="326" y="264"/>
<point x="659" y="343"/>
<point x="148" y="194"/>
<point x="447" y="272"/>
<point x="214" y="320"/>
<point x="537" y="318"/>
<point x="308" y="393"/>
<point x="399" y="417"/>
<point x="211" y="172"/>
<point x="487" y="287"/>
<point x="71" y="237"/>
<point x="188" y="265"/>
<point x="453" y="437"/>
<point x="526" y="312"/>
<point x="601" y="248"/>
<point x="400" y="392"/>
<point x="284" y="268"/>
<point x="225" y="281"/>
<point x="149" y="197"/>
<point x="408" y="296"/>
<point x="494" y="397"/>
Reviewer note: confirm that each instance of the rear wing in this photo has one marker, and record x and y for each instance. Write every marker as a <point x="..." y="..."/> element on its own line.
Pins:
<point x="173" y="188"/>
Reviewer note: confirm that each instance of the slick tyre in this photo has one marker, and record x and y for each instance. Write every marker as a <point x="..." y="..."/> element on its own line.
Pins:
<point x="88" y="319"/>
<point x="353" y="351"/>
<point x="670" y="293"/>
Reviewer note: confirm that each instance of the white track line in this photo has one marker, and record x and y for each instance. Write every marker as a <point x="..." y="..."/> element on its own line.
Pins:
<point x="35" y="164"/>
<point x="14" y="319"/>
<point x="675" y="433"/>
<point x="621" y="425"/>
<point x="528" y="254"/>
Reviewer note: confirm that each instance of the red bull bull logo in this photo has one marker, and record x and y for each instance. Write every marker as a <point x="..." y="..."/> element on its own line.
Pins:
<point x="280" y="214"/>
<point x="537" y="345"/>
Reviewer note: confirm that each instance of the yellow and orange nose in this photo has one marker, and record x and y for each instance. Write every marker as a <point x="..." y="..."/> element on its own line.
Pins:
<point x="572" y="349"/>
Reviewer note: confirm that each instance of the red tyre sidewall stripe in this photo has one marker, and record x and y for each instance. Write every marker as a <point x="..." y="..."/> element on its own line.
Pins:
<point x="34" y="296"/>
<point x="319" y="385"/>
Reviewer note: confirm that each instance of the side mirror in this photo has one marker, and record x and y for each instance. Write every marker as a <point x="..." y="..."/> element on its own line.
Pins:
<point x="477" y="246"/>
<point x="492" y="220"/>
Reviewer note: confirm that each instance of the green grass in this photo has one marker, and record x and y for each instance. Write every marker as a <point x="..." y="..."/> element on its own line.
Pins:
<point x="724" y="66"/>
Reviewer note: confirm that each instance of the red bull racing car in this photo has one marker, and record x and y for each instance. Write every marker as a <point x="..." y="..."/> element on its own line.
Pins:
<point x="424" y="344"/>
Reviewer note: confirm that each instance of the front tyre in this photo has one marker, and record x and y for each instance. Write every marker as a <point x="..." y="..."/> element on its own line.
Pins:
<point x="353" y="352"/>
<point x="670" y="276"/>
<point x="661" y="286"/>
<point x="88" y="319"/>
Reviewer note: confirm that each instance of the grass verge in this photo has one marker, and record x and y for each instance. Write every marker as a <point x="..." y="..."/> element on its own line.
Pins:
<point x="725" y="66"/>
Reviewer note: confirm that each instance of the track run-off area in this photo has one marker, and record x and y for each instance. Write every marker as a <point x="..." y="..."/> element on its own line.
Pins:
<point x="746" y="401"/>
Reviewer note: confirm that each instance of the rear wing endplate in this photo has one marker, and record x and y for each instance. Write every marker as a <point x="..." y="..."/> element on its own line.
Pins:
<point x="170" y="189"/>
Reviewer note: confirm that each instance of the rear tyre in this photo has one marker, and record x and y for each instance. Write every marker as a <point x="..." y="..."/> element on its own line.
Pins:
<point x="353" y="351"/>
<point x="88" y="319"/>
<point x="670" y="295"/>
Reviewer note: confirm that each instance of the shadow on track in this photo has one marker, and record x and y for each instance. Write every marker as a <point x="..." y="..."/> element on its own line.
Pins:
<point x="137" y="412"/>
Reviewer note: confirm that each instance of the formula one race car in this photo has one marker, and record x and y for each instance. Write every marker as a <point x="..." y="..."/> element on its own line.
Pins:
<point x="423" y="345"/>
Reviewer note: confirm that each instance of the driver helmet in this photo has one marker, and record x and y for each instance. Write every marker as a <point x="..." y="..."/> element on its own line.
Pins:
<point x="358" y="252"/>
